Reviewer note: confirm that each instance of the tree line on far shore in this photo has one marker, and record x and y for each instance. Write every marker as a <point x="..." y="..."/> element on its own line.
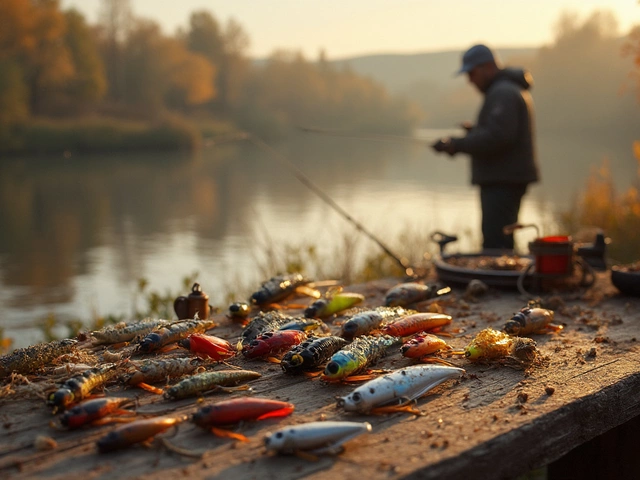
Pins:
<point x="123" y="82"/>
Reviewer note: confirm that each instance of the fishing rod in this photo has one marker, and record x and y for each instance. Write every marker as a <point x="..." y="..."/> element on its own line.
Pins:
<point x="402" y="262"/>
<point x="376" y="137"/>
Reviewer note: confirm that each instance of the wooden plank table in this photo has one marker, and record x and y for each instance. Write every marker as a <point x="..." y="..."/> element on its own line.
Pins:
<point x="495" y="422"/>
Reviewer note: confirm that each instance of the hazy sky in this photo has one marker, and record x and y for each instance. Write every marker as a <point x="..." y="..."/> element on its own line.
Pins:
<point x="353" y="27"/>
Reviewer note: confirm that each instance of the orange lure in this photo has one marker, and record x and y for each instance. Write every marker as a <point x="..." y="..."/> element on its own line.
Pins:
<point x="418" y="322"/>
<point x="141" y="431"/>
<point x="423" y="345"/>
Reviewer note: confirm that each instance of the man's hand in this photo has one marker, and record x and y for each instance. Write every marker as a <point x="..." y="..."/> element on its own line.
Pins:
<point x="444" y="145"/>
<point x="466" y="126"/>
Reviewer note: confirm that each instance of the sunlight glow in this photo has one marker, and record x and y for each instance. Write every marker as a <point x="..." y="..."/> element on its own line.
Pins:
<point x="358" y="27"/>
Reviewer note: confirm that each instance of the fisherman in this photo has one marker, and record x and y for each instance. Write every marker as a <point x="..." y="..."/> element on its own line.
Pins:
<point x="501" y="144"/>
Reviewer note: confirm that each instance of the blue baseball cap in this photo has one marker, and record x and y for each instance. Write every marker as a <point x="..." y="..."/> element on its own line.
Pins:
<point x="476" y="55"/>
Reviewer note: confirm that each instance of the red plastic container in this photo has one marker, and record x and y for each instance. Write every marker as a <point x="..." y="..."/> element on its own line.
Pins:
<point x="553" y="255"/>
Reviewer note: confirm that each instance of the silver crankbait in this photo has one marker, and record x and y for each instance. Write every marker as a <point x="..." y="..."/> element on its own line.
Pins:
<point x="315" y="437"/>
<point x="402" y="385"/>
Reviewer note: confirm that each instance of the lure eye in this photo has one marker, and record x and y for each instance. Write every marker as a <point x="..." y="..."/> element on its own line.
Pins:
<point x="350" y="327"/>
<point x="297" y="359"/>
<point x="254" y="343"/>
<point x="279" y="435"/>
<point x="356" y="397"/>
<point x="333" y="368"/>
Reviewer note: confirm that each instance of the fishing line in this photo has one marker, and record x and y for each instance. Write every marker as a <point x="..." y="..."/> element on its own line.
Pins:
<point x="402" y="262"/>
<point x="376" y="137"/>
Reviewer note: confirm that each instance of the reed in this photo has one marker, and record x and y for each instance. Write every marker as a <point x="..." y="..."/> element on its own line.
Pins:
<point x="602" y="206"/>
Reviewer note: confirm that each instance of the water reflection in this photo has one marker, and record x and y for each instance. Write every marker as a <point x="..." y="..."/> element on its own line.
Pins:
<point x="78" y="233"/>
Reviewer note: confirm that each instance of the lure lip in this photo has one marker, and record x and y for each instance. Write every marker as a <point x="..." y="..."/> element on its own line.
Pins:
<point x="408" y="383"/>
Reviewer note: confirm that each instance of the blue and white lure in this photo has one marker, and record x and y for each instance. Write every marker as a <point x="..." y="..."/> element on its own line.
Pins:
<point x="390" y="392"/>
<point x="316" y="438"/>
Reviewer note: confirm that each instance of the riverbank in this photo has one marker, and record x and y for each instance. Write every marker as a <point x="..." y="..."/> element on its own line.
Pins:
<point x="105" y="135"/>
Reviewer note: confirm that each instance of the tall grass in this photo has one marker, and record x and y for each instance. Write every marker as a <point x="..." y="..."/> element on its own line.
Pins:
<point x="355" y="259"/>
<point x="600" y="205"/>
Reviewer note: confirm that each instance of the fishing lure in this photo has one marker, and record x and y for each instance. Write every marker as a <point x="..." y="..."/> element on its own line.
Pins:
<point x="273" y="343"/>
<point x="229" y="412"/>
<point x="239" y="310"/>
<point x="172" y="333"/>
<point x="305" y="325"/>
<point x="311" y="354"/>
<point x="366" y="321"/>
<point x="209" y="346"/>
<point x="94" y="411"/>
<point x="418" y="322"/>
<point x="80" y="386"/>
<point x="358" y="355"/>
<point x="111" y="335"/>
<point x="315" y="437"/>
<point x="140" y="431"/>
<point x="237" y="410"/>
<point x="490" y="344"/>
<point x="141" y="374"/>
<point x="264" y="322"/>
<point x="29" y="359"/>
<point x="413" y="292"/>
<point x="325" y="307"/>
<point x="531" y="320"/>
<point x="203" y="382"/>
<point x="423" y="345"/>
<point x="403" y="386"/>
<point x="278" y="288"/>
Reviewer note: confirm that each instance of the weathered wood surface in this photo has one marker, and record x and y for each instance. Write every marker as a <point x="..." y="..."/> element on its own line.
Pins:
<point x="497" y="422"/>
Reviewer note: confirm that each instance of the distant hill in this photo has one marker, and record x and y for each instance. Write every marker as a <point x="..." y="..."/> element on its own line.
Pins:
<point x="399" y="72"/>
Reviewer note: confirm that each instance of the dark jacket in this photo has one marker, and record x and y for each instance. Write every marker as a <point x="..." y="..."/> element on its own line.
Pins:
<point x="501" y="143"/>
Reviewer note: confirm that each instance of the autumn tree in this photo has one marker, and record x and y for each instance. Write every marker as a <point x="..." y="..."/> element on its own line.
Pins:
<point x="225" y="49"/>
<point x="160" y="69"/>
<point x="631" y="49"/>
<point x="293" y="91"/>
<point x="88" y="84"/>
<point x="31" y="39"/>
<point x="579" y="77"/>
<point x="115" y="21"/>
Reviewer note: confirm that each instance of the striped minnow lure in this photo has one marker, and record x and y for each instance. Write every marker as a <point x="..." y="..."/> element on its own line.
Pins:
<point x="366" y="321"/>
<point x="358" y="355"/>
<point x="311" y="354"/>
<point x="126" y="333"/>
<point x="203" y="382"/>
<point x="80" y="386"/>
<point x="413" y="292"/>
<point x="172" y="333"/>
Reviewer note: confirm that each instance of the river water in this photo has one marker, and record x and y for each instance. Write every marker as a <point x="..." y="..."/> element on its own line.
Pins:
<point x="77" y="233"/>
